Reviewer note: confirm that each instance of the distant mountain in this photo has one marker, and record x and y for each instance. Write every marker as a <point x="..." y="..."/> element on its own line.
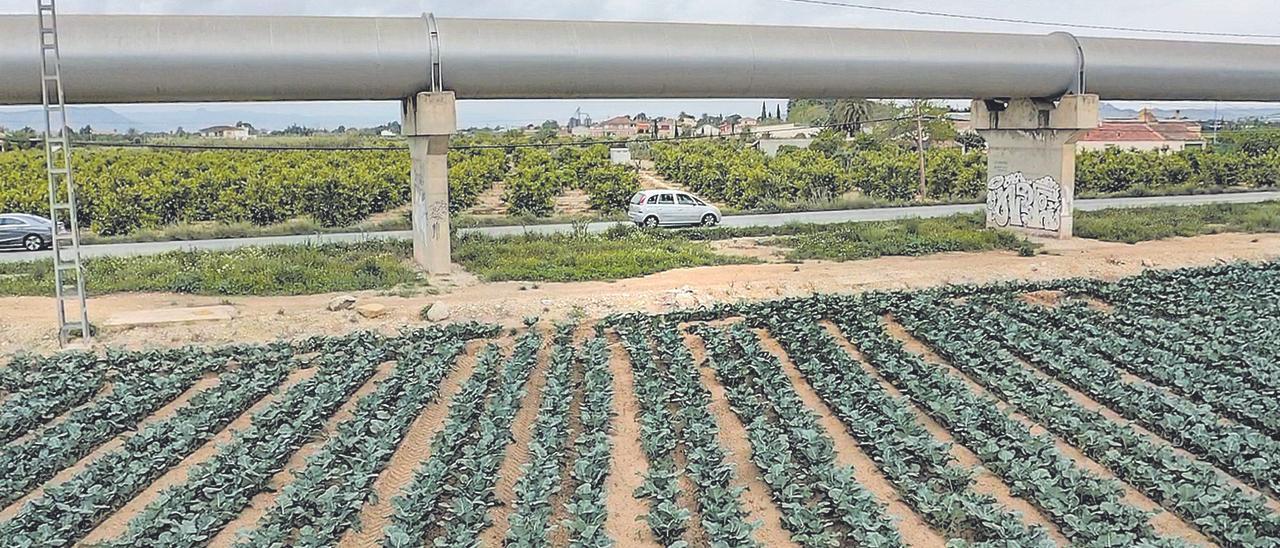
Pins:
<point x="1201" y="114"/>
<point x="330" y="115"/>
<point x="159" y="118"/>
<point x="97" y="117"/>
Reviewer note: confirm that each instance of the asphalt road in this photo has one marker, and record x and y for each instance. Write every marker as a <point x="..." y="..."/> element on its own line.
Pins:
<point x="775" y="219"/>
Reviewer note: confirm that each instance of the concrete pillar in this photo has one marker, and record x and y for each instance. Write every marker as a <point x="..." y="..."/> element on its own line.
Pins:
<point x="1031" y="160"/>
<point x="429" y="119"/>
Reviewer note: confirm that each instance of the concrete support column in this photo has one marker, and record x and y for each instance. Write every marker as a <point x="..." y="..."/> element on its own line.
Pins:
<point x="429" y="119"/>
<point x="1031" y="160"/>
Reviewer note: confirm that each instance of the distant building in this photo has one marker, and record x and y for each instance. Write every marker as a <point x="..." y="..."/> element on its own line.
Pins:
<point x="785" y="131"/>
<point x="1145" y="133"/>
<point x="770" y="147"/>
<point x="387" y="133"/>
<point x="238" y="133"/>
<point x="708" y="130"/>
<point x="687" y="121"/>
<point x="620" y="156"/>
<point x="961" y="121"/>
<point x="619" y="126"/>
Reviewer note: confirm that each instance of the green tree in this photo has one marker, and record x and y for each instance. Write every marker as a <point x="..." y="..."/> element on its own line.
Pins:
<point x="849" y="114"/>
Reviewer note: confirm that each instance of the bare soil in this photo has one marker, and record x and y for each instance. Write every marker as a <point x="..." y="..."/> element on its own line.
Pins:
<point x="625" y="523"/>
<point x="29" y="323"/>
<point x="413" y="450"/>
<point x="517" y="450"/>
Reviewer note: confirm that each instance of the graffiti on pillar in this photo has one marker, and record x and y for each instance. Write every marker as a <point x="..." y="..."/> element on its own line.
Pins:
<point x="1013" y="201"/>
<point x="438" y="210"/>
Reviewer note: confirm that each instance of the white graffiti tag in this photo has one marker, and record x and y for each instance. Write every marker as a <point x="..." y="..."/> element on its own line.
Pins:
<point x="1014" y="201"/>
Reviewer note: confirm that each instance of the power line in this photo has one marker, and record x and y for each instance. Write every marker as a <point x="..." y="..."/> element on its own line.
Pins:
<point x="869" y="7"/>
<point x="283" y="148"/>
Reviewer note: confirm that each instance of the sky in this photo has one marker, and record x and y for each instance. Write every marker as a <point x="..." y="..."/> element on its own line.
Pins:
<point x="1236" y="16"/>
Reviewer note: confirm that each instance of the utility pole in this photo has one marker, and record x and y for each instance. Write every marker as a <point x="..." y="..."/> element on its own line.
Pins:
<point x="1216" y="123"/>
<point x="924" y="188"/>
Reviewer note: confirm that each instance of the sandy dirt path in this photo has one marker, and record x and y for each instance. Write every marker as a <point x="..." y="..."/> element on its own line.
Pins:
<point x="29" y="323"/>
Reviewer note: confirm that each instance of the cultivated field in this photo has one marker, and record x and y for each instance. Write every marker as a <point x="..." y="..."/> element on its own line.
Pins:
<point x="1141" y="412"/>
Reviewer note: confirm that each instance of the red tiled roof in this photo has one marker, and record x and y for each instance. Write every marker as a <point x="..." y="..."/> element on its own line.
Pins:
<point x="1136" y="130"/>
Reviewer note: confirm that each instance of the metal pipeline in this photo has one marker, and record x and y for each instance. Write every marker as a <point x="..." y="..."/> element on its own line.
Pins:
<point x="145" y="59"/>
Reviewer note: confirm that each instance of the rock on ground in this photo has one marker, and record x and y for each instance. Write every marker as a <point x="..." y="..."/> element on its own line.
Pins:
<point x="438" y="312"/>
<point x="344" y="302"/>
<point x="372" y="310"/>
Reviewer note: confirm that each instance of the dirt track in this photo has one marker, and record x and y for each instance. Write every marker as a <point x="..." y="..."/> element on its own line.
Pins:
<point x="27" y="323"/>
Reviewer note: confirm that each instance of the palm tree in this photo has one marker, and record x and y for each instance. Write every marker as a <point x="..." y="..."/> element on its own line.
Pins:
<point x="849" y="114"/>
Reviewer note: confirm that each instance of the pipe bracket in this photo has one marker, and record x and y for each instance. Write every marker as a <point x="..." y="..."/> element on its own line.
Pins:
<point x="433" y="35"/>
<point x="1077" y="79"/>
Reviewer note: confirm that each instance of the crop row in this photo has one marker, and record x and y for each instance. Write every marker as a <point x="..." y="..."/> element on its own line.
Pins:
<point x="1088" y="510"/>
<point x="137" y="389"/>
<point x="326" y="496"/>
<point x="920" y="466"/>
<point x="449" y="497"/>
<point x="666" y="372"/>
<point x="217" y="490"/>
<point x="1230" y="317"/>
<point x="593" y="451"/>
<point x="530" y="522"/>
<point x="1187" y="487"/>
<point x="1235" y="447"/>
<point x="1226" y="393"/>
<point x="668" y="518"/>
<point x="40" y="393"/>
<point x="821" y="501"/>
<point x="68" y="511"/>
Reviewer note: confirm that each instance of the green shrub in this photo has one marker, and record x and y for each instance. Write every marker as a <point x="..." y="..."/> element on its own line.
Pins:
<point x="621" y="253"/>
<point x="1133" y="225"/>
<point x="271" y="270"/>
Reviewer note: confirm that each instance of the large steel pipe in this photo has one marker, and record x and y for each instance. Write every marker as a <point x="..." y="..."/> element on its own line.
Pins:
<point x="135" y="59"/>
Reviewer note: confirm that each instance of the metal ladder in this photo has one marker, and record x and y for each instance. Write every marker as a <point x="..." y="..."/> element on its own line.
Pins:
<point x="68" y="272"/>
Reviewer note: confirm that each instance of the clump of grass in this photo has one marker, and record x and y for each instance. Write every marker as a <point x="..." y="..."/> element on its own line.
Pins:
<point x="271" y="270"/>
<point x="1135" y="225"/>
<point x="620" y="253"/>
<point x="906" y="237"/>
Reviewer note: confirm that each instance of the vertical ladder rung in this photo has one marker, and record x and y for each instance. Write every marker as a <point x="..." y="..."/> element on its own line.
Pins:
<point x="58" y="143"/>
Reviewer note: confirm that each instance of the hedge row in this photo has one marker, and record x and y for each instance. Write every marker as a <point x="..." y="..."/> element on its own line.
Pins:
<point x="1115" y="170"/>
<point x="538" y="176"/>
<point x="122" y="190"/>
<point x="734" y="173"/>
<point x="741" y="176"/>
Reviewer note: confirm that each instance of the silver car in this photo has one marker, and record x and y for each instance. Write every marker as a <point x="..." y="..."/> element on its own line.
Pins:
<point x="29" y="232"/>
<point x="652" y="208"/>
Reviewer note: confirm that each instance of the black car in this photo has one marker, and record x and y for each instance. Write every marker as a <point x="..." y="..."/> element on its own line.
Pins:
<point x="29" y="232"/>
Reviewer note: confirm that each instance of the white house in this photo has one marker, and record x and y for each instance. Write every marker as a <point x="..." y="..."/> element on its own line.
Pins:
<point x="708" y="130"/>
<point x="227" y="132"/>
<point x="771" y="146"/>
<point x="785" y="131"/>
